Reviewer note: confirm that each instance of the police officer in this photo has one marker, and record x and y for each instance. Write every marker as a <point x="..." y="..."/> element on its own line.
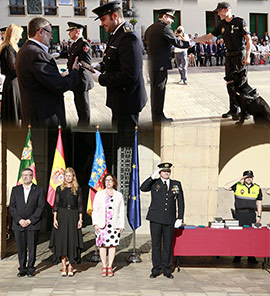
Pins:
<point x="237" y="40"/>
<point x="121" y="69"/>
<point x="165" y="193"/>
<point x="159" y="38"/>
<point x="248" y="199"/>
<point x="80" y="48"/>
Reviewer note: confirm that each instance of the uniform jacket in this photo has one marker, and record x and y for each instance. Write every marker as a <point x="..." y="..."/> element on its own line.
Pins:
<point x="163" y="203"/>
<point x="159" y="38"/>
<point x="41" y="85"/>
<point x="82" y="50"/>
<point x="122" y="71"/>
<point x="31" y="210"/>
<point x="98" y="214"/>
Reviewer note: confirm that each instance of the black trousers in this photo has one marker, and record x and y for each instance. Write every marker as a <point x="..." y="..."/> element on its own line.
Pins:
<point x="81" y="100"/>
<point x="158" y="80"/>
<point x="233" y="63"/>
<point x="162" y="234"/>
<point x="246" y="218"/>
<point x="26" y="240"/>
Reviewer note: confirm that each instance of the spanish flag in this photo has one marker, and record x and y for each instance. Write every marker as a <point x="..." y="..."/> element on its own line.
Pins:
<point x="58" y="168"/>
<point x="27" y="159"/>
<point x="99" y="170"/>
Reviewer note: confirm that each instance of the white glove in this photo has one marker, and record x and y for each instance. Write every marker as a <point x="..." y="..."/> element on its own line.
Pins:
<point x="95" y="75"/>
<point x="178" y="223"/>
<point x="55" y="55"/>
<point x="156" y="172"/>
<point x="63" y="74"/>
<point x="97" y="66"/>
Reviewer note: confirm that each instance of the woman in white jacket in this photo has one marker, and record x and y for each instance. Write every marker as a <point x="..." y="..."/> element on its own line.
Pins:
<point x="108" y="221"/>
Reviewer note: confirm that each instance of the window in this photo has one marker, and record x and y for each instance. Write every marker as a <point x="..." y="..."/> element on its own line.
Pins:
<point x="50" y="7"/>
<point x="79" y="7"/>
<point x="212" y="20"/>
<point x="17" y="7"/>
<point x="258" y="23"/>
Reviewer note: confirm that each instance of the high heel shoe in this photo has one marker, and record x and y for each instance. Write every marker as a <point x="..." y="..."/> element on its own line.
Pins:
<point x="64" y="271"/>
<point x="104" y="271"/>
<point x="70" y="271"/>
<point x="110" y="272"/>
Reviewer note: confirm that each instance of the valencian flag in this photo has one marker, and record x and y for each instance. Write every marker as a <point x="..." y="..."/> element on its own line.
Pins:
<point x="27" y="159"/>
<point x="134" y="207"/>
<point x="99" y="170"/>
<point x="58" y="168"/>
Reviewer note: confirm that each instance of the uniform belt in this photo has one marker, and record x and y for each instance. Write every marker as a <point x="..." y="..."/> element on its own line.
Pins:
<point x="69" y="207"/>
<point x="245" y="211"/>
<point x="234" y="53"/>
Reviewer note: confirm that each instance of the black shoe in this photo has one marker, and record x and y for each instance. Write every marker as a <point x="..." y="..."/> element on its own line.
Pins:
<point x="21" y="274"/>
<point x="237" y="259"/>
<point x="169" y="276"/>
<point x="252" y="260"/>
<point x="30" y="273"/>
<point x="228" y="114"/>
<point x="235" y="117"/>
<point x="166" y="119"/>
<point x="152" y="276"/>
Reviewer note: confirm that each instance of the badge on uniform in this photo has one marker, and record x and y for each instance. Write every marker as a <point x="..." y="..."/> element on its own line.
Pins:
<point x="222" y="30"/>
<point x="85" y="48"/>
<point x="157" y="188"/>
<point x="232" y="29"/>
<point x="242" y="191"/>
<point x="175" y="190"/>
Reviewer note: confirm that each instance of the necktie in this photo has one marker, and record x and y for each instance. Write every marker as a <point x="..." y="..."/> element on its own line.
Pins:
<point x="166" y="186"/>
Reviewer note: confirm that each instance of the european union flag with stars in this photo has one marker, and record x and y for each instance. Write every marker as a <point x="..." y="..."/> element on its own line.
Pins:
<point x="134" y="206"/>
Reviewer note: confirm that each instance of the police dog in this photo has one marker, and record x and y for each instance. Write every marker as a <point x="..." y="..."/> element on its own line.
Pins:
<point x="248" y="99"/>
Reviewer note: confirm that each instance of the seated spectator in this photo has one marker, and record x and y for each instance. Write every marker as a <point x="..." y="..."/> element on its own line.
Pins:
<point x="191" y="51"/>
<point x="254" y="37"/>
<point x="221" y="52"/>
<point x="255" y="53"/>
<point x="264" y="51"/>
<point x="211" y="52"/>
<point x="201" y="54"/>
<point x="266" y="37"/>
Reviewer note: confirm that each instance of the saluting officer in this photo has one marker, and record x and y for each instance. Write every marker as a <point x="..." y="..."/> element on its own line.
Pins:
<point x="121" y="69"/>
<point x="237" y="40"/>
<point x="165" y="193"/>
<point x="81" y="49"/>
<point x="248" y="199"/>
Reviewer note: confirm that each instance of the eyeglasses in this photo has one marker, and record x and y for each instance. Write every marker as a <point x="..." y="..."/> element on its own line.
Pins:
<point x="47" y="30"/>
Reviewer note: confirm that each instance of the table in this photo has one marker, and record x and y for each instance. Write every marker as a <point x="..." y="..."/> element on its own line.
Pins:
<point x="222" y="242"/>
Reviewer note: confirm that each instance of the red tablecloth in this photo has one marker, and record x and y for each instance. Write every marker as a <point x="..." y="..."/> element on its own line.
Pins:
<point x="222" y="242"/>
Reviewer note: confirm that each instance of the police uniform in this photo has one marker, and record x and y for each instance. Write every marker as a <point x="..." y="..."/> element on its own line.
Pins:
<point x="159" y="38"/>
<point x="121" y="73"/>
<point x="82" y="50"/>
<point x="162" y="216"/>
<point x="233" y="33"/>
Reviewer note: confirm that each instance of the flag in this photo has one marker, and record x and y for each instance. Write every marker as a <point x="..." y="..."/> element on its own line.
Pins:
<point x="58" y="168"/>
<point x="27" y="159"/>
<point x="99" y="170"/>
<point x="134" y="206"/>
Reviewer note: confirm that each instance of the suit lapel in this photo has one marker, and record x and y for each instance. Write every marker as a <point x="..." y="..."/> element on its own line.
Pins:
<point x="32" y="192"/>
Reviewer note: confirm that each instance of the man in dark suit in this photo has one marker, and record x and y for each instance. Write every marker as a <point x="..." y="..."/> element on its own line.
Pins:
<point x="201" y="54"/>
<point x="26" y="206"/>
<point x="159" y="38"/>
<point x="162" y="215"/>
<point x="211" y="50"/>
<point x="40" y="82"/>
<point x="121" y="68"/>
<point x="81" y="49"/>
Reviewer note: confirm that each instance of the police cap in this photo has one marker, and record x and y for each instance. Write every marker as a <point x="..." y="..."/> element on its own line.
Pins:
<point x="72" y="26"/>
<point x="165" y="166"/>
<point x="222" y="5"/>
<point x="106" y="8"/>
<point x="167" y="11"/>
<point x="249" y="174"/>
<point x="2" y="30"/>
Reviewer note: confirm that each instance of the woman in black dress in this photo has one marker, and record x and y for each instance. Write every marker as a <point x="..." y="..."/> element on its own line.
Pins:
<point x="10" y="109"/>
<point x="66" y="238"/>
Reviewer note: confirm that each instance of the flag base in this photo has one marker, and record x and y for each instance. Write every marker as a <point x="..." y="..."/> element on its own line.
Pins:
<point x="95" y="257"/>
<point x="134" y="258"/>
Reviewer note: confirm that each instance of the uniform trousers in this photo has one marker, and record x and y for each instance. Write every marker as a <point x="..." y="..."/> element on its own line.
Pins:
<point x="26" y="239"/>
<point x="81" y="100"/>
<point x="161" y="234"/>
<point x="182" y="63"/>
<point x="158" y="80"/>
<point x="233" y="63"/>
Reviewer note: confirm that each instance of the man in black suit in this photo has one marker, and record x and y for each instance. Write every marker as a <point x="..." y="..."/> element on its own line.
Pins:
<point x="81" y="49"/>
<point x="121" y="68"/>
<point x="162" y="215"/>
<point x="211" y="50"/>
<point x="26" y="206"/>
<point x="40" y="82"/>
<point x="201" y="54"/>
<point x="159" y="38"/>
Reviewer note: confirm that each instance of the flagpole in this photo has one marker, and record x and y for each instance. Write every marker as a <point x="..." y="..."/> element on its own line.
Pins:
<point x="133" y="257"/>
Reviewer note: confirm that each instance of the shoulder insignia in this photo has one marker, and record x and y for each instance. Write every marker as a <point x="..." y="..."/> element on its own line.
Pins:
<point x="85" y="48"/>
<point x="128" y="28"/>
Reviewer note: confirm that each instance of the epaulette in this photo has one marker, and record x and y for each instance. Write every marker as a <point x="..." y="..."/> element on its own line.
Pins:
<point x="128" y="28"/>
